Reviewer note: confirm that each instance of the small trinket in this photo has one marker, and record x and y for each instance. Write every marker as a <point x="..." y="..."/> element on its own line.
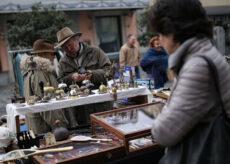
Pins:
<point x="50" y="139"/>
<point x="123" y="85"/>
<point x="102" y="89"/>
<point x="48" y="92"/>
<point x="87" y="88"/>
<point x="114" y="91"/>
<point x="62" y="85"/>
<point x="73" y="94"/>
<point x="49" y="155"/>
<point x="135" y="84"/>
<point x="119" y="86"/>
<point x="74" y="91"/>
<point x="126" y="85"/>
<point x="59" y="94"/>
<point x="31" y="100"/>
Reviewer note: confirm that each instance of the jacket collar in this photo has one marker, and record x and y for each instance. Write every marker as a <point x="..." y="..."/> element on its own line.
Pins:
<point x="176" y="57"/>
<point x="42" y="63"/>
<point x="187" y="50"/>
<point x="131" y="46"/>
<point x="80" y="48"/>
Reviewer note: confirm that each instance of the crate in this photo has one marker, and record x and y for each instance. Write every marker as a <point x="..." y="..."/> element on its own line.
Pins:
<point x="148" y="83"/>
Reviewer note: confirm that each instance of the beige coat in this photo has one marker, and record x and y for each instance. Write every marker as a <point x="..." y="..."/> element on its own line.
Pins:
<point x="41" y="122"/>
<point x="129" y="55"/>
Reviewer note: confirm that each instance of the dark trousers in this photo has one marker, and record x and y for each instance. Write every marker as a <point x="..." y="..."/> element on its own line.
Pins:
<point x="137" y="72"/>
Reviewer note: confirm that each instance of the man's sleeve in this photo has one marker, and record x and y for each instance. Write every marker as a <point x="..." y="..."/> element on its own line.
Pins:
<point x="65" y="73"/>
<point x="139" y="56"/>
<point x="104" y="64"/>
<point x="122" y="57"/>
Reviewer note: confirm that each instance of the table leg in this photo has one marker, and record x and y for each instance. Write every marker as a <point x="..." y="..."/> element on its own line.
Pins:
<point x="92" y="128"/>
<point x="126" y="144"/>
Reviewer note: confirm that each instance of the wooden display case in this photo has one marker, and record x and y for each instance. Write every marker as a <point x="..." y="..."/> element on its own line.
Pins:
<point x="162" y="94"/>
<point x="83" y="152"/>
<point x="131" y="124"/>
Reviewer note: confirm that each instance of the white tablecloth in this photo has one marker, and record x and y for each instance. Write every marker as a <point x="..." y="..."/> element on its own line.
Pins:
<point x="13" y="111"/>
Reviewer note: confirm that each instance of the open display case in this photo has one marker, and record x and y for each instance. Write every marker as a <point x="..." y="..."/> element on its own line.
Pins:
<point x="132" y="124"/>
<point x="83" y="152"/>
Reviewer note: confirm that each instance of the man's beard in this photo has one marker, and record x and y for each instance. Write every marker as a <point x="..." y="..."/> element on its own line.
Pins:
<point x="72" y="54"/>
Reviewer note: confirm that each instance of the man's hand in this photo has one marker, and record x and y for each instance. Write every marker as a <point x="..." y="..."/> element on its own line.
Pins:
<point x="78" y="77"/>
<point x="89" y="75"/>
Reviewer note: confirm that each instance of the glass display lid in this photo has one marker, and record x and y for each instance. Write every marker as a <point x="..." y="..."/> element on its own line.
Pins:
<point x="132" y="124"/>
<point x="133" y="119"/>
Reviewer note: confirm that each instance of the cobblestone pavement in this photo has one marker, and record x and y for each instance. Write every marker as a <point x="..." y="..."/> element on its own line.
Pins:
<point x="5" y="92"/>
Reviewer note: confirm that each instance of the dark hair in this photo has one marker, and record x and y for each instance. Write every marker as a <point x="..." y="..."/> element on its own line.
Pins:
<point x="182" y="18"/>
<point x="129" y="36"/>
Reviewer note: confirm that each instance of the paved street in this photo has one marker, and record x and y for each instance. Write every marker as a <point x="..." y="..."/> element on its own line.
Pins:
<point x="5" y="92"/>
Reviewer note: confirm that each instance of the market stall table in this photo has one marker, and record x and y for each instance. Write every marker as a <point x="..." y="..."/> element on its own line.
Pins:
<point x="13" y="111"/>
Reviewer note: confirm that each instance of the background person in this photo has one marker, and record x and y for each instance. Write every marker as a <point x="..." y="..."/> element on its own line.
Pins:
<point x="185" y="33"/>
<point x="130" y="55"/>
<point x="43" y="70"/>
<point x="155" y="63"/>
<point x="92" y="59"/>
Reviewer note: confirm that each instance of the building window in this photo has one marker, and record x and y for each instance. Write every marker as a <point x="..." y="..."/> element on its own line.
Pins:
<point x="108" y="31"/>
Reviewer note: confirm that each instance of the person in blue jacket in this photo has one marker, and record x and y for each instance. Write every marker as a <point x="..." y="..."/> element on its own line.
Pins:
<point x="155" y="63"/>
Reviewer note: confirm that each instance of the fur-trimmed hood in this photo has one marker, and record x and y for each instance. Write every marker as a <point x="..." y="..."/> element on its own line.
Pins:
<point x="42" y="63"/>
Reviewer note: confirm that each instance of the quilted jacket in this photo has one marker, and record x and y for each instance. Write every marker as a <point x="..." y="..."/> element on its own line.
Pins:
<point x="193" y="97"/>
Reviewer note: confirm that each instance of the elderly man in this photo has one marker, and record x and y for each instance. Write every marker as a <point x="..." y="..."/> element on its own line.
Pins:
<point x="81" y="56"/>
<point x="129" y="54"/>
